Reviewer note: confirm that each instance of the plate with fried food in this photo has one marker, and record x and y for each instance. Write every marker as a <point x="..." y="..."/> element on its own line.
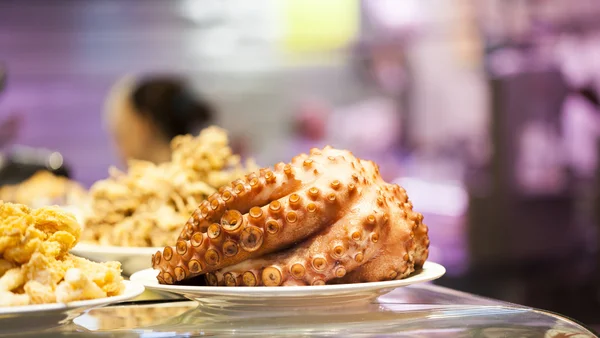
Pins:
<point x="326" y="226"/>
<point x="131" y="213"/>
<point x="41" y="283"/>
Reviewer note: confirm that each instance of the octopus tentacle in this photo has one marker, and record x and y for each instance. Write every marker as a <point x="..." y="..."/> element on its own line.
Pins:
<point x="258" y="188"/>
<point x="328" y="255"/>
<point x="267" y="228"/>
<point x="326" y="217"/>
<point x="397" y="260"/>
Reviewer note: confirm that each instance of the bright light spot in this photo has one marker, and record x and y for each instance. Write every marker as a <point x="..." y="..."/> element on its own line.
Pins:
<point x="55" y="161"/>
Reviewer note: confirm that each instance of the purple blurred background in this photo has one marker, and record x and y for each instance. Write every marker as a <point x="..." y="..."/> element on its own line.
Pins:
<point x="486" y="111"/>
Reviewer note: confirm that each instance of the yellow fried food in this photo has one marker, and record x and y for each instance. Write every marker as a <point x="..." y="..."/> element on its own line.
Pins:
<point x="147" y="205"/>
<point x="43" y="189"/>
<point x="76" y="286"/>
<point x="23" y="231"/>
<point x="35" y="266"/>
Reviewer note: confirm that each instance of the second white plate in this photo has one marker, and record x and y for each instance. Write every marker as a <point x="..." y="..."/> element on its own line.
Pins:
<point x="288" y="295"/>
<point x="132" y="258"/>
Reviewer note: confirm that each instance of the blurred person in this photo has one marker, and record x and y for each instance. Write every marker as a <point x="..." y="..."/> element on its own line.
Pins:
<point x="144" y="115"/>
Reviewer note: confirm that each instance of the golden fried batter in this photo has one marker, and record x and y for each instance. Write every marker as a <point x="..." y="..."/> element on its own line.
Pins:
<point x="43" y="189"/>
<point x="35" y="266"/>
<point x="147" y="205"/>
<point x="23" y="231"/>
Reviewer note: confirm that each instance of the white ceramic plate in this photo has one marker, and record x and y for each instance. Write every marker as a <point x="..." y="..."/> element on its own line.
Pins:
<point x="288" y="295"/>
<point x="44" y="316"/>
<point x="132" y="258"/>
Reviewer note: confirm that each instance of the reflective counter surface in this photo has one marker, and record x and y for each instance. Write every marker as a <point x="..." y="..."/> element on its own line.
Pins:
<point x="424" y="310"/>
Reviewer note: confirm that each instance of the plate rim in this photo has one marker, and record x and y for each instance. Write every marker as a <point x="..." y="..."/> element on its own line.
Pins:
<point x="90" y="248"/>
<point x="132" y="290"/>
<point x="138" y="276"/>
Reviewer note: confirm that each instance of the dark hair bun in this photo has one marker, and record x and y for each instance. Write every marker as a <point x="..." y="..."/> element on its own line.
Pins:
<point x="168" y="102"/>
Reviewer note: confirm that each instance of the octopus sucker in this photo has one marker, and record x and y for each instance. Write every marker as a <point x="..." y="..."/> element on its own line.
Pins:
<point x="230" y="248"/>
<point x="249" y="279"/>
<point x="272" y="276"/>
<point x="272" y="226"/>
<point x="230" y="279"/>
<point x="251" y="238"/>
<point x="297" y="270"/>
<point x="326" y="217"/>
<point x="211" y="279"/>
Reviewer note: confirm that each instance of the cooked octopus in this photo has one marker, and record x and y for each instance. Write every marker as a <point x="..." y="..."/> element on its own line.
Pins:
<point x="324" y="218"/>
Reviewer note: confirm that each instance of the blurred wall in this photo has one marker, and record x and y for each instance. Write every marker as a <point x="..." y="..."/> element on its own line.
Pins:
<point x="62" y="57"/>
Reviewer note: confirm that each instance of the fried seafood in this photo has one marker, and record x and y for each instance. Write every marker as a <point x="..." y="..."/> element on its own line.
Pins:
<point x="327" y="217"/>
<point x="35" y="266"/>
<point x="147" y="205"/>
<point x="44" y="189"/>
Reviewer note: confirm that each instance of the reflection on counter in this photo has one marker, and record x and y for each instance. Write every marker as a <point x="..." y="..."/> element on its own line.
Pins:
<point x="423" y="310"/>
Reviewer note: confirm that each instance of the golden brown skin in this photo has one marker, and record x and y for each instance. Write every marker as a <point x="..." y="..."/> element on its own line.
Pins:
<point x="326" y="217"/>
